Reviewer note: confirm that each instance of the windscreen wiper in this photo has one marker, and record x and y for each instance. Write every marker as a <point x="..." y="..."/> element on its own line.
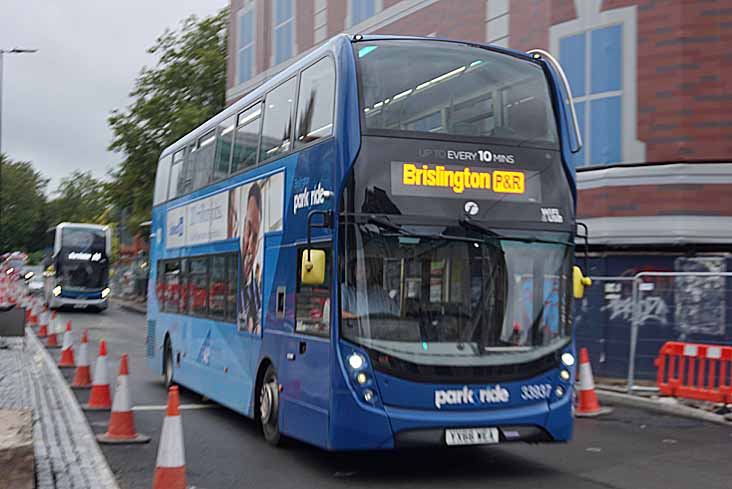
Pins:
<point x="472" y="226"/>
<point x="398" y="229"/>
<point x="387" y="225"/>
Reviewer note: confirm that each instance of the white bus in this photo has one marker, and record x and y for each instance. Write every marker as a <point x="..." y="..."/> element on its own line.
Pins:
<point x="76" y="265"/>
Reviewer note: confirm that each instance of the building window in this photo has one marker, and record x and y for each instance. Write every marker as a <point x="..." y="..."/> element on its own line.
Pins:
<point x="593" y="61"/>
<point x="284" y="30"/>
<point x="245" y="46"/>
<point x="360" y="10"/>
<point x="320" y="21"/>
<point x="497" y="22"/>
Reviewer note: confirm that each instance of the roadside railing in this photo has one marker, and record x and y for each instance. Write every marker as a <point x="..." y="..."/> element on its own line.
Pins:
<point x="625" y="321"/>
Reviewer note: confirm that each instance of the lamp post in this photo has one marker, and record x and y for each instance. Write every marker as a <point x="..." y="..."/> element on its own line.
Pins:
<point x="3" y="52"/>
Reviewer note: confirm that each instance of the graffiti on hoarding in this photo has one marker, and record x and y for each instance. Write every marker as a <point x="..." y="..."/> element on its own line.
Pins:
<point x="700" y="301"/>
<point x="651" y="308"/>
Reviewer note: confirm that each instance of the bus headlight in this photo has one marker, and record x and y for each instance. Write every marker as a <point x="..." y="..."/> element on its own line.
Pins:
<point x="57" y="291"/>
<point x="559" y="391"/>
<point x="568" y="359"/>
<point x="105" y="293"/>
<point x="564" y="374"/>
<point x="355" y="361"/>
<point x="362" y="378"/>
<point x="368" y="395"/>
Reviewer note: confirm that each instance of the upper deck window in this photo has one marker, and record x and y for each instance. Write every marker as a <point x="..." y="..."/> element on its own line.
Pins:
<point x="454" y="89"/>
<point x="315" y="102"/>
<point x="277" y="125"/>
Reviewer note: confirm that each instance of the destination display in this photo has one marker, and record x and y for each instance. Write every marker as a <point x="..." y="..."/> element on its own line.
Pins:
<point x="461" y="181"/>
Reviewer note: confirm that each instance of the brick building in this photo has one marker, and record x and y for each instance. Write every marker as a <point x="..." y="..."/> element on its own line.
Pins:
<point x="652" y="82"/>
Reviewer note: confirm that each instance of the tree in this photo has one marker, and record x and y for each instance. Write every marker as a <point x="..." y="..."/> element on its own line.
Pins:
<point x="79" y="198"/>
<point x="186" y="88"/>
<point x="22" y="206"/>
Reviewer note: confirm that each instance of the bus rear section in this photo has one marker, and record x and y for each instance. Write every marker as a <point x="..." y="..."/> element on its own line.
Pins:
<point x="455" y="233"/>
<point x="77" y="266"/>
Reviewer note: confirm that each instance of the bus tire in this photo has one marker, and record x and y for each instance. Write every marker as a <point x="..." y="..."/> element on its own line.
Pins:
<point x="269" y="404"/>
<point x="168" y="364"/>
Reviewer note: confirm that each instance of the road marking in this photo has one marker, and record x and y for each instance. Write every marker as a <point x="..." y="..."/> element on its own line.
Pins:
<point x="182" y="407"/>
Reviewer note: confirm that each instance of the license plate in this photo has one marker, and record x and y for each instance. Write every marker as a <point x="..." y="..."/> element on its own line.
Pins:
<point x="471" y="436"/>
<point x="79" y="306"/>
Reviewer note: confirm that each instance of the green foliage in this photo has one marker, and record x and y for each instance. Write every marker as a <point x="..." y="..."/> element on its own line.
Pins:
<point x="186" y="88"/>
<point x="22" y="206"/>
<point x="79" y="198"/>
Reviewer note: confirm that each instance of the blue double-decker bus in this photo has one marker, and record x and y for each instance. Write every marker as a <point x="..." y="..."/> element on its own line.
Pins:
<point x="374" y="248"/>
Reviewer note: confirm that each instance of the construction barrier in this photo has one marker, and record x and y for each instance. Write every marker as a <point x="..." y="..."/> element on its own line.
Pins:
<point x="695" y="371"/>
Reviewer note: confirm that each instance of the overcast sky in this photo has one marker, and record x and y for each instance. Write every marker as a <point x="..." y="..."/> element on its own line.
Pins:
<point x="56" y="101"/>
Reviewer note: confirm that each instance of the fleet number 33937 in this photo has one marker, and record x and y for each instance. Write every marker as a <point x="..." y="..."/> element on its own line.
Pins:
<point x="536" y="392"/>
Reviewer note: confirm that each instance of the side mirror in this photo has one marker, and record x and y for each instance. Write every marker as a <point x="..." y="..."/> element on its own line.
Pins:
<point x="579" y="282"/>
<point x="313" y="267"/>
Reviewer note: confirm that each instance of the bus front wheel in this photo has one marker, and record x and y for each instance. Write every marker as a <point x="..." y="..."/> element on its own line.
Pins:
<point x="168" y="364"/>
<point x="269" y="404"/>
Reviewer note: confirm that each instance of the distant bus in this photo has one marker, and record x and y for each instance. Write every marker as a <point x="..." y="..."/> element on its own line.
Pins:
<point x="76" y="266"/>
<point x="375" y="249"/>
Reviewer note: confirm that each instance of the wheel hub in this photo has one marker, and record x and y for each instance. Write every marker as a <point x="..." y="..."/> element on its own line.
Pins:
<point x="266" y="402"/>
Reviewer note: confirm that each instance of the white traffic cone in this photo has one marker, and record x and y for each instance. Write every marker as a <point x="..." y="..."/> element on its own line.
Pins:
<point x="170" y="468"/>
<point x="122" y="421"/>
<point x="100" y="398"/>
<point x="67" y="349"/>
<point x="82" y="376"/>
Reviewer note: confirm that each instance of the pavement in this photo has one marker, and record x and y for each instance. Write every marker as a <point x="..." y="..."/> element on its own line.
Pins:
<point x="630" y="448"/>
<point x="66" y="454"/>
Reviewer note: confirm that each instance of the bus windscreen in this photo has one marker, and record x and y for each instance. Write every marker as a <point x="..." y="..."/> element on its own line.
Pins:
<point x="454" y="89"/>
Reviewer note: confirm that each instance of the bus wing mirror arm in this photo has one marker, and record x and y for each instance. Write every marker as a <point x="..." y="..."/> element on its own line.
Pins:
<point x="313" y="261"/>
<point x="586" y="237"/>
<point x="327" y="222"/>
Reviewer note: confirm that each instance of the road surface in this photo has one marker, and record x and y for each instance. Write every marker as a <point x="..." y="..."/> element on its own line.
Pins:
<point x="630" y="448"/>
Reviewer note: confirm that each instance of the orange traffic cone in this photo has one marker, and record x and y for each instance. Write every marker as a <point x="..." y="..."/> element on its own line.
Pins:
<point x="27" y="311"/>
<point x="67" y="349"/>
<point x="82" y="377"/>
<point x="588" y="404"/>
<point x="43" y="330"/>
<point x="170" y="468"/>
<point x="52" y="340"/>
<point x="35" y="311"/>
<point x="99" y="398"/>
<point x="122" y="421"/>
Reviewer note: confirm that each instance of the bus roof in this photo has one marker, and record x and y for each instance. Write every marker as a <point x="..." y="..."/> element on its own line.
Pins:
<point x="258" y="92"/>
<point x="306" y="59"/>
<point x="89" y="225"/>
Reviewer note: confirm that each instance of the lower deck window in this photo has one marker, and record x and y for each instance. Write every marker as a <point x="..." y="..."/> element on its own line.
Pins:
<point x="202" y="286"/>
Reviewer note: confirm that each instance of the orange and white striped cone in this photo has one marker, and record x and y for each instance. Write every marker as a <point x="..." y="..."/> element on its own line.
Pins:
<point x="26" y="306"/>
<point x="43" y="330"/>
<point x="170" y="468"/>
<point x="35" y="311"/>
<point x="99" y="398"/>
<point x="52" y="339"/>
<point x="588" y="405"/>
<point x="122" y="421"/>
<point x="67" y="349"/>
<point x="82" y="376"/>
